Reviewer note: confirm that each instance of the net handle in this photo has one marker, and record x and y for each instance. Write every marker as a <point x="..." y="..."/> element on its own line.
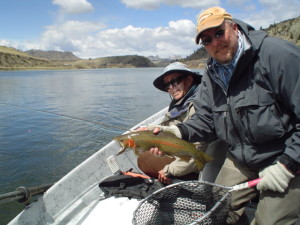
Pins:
<point x="249" y="184"/>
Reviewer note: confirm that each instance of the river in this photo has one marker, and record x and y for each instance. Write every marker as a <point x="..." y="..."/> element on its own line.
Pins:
<point x="50" y="121"/>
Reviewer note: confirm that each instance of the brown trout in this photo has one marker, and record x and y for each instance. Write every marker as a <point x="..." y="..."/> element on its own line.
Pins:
<point x="166" y="142"/>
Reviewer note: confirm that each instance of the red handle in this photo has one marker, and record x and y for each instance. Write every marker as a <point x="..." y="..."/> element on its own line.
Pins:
<point x="249" y="184"/>
<point x="253" y="183"/>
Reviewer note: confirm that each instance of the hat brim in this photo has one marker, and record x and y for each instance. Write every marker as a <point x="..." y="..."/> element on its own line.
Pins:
<point x="211" y="24"/>
<point x="160" y="84"/>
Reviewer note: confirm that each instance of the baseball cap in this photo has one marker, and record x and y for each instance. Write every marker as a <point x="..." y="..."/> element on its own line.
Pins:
<point x="210" y="18"/>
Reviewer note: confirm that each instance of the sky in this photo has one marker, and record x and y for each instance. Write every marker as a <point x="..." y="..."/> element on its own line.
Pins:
<point x="99" y="28"/>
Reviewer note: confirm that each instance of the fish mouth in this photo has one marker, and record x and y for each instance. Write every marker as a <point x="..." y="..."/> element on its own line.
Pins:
<point x="121" y="144"/>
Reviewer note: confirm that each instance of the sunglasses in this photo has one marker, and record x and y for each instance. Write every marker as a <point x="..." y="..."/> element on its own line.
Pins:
<point x="174" y="82"/>
<point x="207" y="41"/>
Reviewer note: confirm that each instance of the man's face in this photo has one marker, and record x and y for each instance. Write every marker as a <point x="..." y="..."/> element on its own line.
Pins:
<point x="221" y="43"/>
<point x="177" y="84"/>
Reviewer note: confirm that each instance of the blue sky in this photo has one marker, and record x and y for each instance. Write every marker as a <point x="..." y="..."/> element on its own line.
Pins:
<point x="98" y="28"/>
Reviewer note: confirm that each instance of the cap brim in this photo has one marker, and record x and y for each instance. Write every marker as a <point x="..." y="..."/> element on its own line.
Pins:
<point x="159" y="82"/>
<point x="209" y="25"/>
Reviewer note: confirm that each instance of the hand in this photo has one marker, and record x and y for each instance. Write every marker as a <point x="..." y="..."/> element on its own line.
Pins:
<point x="156" y="152"/>
<point x="142" y="128"/>
<point x="163" y="178"/>
<point x="172" y="129"/>
<point x="275" y="178"/>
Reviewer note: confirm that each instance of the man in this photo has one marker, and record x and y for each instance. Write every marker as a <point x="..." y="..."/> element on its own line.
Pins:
<point x="250" y="98"/>
<point x="182" y="85"/>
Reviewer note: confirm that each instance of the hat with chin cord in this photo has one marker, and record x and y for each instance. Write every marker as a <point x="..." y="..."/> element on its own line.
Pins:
<point x="176" y="67"/>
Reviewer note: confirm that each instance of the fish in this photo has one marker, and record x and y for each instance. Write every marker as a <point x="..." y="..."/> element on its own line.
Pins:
<point x="166" y="142"/>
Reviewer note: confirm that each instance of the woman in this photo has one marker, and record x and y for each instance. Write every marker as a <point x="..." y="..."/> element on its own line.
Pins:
<point x="181" y="84"/>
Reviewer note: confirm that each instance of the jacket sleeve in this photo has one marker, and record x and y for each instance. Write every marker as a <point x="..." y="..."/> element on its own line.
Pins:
<point x="283" y="68"/>
<point x="180" y="168"/>
<point x="200" y="127"/>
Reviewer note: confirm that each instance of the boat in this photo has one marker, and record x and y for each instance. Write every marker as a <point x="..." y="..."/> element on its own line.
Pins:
<point x="77" y="199"/>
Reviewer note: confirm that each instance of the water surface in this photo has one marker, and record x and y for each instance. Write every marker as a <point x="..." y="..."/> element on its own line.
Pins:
<point x="50" y="121"/>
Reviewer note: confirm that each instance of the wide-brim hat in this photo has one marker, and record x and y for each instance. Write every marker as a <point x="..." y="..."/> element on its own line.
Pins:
<point x="210" y="18"/>
<point x="179" y="67"/>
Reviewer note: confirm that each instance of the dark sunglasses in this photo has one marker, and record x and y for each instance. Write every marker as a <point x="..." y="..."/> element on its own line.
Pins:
<point x="174" y="82"/>
<point x="207" y="41"/>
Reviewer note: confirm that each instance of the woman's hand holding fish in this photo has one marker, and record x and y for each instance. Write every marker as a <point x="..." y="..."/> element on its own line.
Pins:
<point x="156" y="152"/>
<point x="163" y="178"/>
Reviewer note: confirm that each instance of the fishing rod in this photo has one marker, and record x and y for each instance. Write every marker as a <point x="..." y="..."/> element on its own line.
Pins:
<point x="69" y="117"/>
<point x="23" y="194"/>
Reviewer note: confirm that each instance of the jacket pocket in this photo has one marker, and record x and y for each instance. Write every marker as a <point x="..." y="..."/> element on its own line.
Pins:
<point x="260" y="116"/>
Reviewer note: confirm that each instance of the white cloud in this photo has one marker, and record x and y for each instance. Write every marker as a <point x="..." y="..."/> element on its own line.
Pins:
<point x="87" y="40"/>
<point x="142" y="4"/>
<point x="155" y="4"/>
<point x="5" y="43"/>
<point x="69" y="35"/>
<point x="268" y="12"/>
<point x="91" y="40"/>
<point x="74" y="6"/>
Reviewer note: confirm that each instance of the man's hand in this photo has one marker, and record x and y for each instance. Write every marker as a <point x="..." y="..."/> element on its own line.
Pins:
<point x="171" y="129"/>
<point x="158" y="128"/>
<point x="142" y="128"/>
<point x="275" y="178"/>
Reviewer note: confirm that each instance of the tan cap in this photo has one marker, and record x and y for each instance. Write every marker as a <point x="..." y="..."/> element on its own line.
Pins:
<point x="210" y="18"/>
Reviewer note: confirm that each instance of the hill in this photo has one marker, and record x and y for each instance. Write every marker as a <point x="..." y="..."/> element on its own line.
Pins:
<point x="53" y="55"/>
<point x="288" y="30"/>
<point x="114" y="61"/>
<point x="11" y="58"/>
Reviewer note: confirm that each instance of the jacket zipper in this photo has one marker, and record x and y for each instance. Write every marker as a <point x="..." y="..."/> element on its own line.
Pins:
<point x="229" y="112"/>
<point x="234" y="127"/>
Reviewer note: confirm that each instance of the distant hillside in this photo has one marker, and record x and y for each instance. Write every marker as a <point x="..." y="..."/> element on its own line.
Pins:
<point x="115" y="61"/>
<point x="53" y="55"/>
<point x="12" y="58"/>
<point x="288" y="30"/>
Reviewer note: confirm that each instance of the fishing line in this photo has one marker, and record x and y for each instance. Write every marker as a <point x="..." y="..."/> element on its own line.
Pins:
<point x="70" y="117"/>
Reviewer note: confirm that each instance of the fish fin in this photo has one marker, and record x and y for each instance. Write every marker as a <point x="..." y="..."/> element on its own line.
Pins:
<point x="207" y="157"/>
<point x="203" y="156"/>
<point x="200" y="164"/>
<point x="201" y="159"/>
<point x="185" y="158"/>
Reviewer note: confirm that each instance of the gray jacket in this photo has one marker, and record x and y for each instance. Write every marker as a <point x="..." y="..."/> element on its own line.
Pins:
<point x="180" y="111"/>
<point x="259" y="114"/>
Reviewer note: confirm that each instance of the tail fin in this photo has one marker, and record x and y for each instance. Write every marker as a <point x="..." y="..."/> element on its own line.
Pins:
<point x="201" y="159"/>
<point x="207" y="157"/>
<point x="200" y="164"/>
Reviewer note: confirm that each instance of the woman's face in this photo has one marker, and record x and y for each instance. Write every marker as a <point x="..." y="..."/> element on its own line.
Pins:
<point x="177" y="84"/>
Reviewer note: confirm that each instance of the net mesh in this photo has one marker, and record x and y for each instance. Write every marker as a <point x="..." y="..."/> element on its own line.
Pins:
<point x="185" y="203"/>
